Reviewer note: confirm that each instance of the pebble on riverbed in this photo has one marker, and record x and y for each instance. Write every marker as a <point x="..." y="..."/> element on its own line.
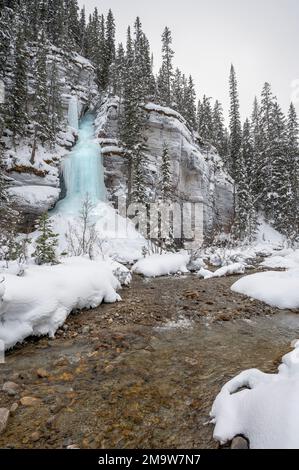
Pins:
<point x="239" y="442"/>
<point x="11" y="388"/>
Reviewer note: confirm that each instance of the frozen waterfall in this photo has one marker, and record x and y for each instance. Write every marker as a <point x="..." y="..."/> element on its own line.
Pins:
<point x="73" y="113"/>
<point x="83" y="171"/>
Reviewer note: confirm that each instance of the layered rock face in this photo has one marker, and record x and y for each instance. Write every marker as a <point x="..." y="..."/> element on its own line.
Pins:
<point x="198" y="175"/>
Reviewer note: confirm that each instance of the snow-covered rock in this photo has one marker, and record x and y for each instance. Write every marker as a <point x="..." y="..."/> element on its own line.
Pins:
<point x="35" y="199"/>
<point x="162" y="265"/>
<point x="262" y="407"/>
<point x="39" y="302"/>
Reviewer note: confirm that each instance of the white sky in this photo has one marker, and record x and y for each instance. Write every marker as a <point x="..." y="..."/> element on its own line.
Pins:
<point x="260" y="37"/>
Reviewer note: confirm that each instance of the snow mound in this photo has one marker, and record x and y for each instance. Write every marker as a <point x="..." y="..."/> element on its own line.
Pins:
<point x="35" y="198"/>
<point x="234" y="268"/>
<point x="266" y="412"/>
<point x="39" y="302"/>
<point x="284" y="259"/>
<point x="162" y="265"/>
<point x="278" y="289"/>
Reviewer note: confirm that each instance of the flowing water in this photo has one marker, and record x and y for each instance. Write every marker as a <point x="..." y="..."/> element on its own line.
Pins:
<point x="143" y="373"/>
<point x="83" y="170"/>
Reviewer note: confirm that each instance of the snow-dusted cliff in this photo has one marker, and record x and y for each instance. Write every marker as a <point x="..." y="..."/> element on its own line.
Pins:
<point x="198" y="172"/>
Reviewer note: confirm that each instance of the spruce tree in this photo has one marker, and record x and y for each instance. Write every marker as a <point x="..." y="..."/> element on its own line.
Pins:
<point x="46" y="243"/>
<point x="17" y="117"/>
<point x="256" y="142"/>
<point x="293" y="169"/>
<point x="235" y="124"/>
<point x="41" y="99"/>
<point x="166" y="72"/>
<point x="205" y="119"/>
<point x="189" y="104"/>
<point x="218" y="134"/>
<point x="277" y="198"/>
<point x="178" y="92"/>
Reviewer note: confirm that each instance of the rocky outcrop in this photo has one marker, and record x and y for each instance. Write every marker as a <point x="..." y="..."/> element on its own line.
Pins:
<point x="198" y="174"/>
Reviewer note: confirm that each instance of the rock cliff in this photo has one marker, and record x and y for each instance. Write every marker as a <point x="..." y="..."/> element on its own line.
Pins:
<point x="198" y="174"/>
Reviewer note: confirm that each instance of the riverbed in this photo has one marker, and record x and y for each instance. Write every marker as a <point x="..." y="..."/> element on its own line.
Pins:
<point x="142" y="373"/>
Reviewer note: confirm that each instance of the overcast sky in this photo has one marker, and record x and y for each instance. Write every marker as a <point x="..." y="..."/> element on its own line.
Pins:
<point x="260" y="37"/>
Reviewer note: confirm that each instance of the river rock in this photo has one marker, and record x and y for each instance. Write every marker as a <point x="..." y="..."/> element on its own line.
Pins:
<point x="42" y="373"/>
<point x="239" y="442"/>
<point x="14" y="408"/>
<point x="4" y="415"/>
<point x="11" y="388"/>
<point x="30" y="401"/>
<point x="85" y="330"/>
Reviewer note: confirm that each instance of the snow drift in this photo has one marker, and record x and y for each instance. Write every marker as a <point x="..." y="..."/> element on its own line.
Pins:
<point x="278" y="289"/>
<point x="162" y="265"/>
<point x="266" y="412"/>
<point x="39" y="302"/>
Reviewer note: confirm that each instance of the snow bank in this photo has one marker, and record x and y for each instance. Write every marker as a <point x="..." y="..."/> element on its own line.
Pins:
<point x="284" y="259"/>
<point x="268" y="240"/>
<point x="278" y="289"/>
<point x="39" y="302"/>
<point x="266" y="412"/>
<point x="162" y="265"/>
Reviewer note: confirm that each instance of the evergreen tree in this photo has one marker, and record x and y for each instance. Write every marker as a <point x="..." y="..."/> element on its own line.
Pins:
<point x="245" y="216"/>
<point x="293" y="170"/>
<point x="54" y="102"/>
<point x="17" y="117"/>
<point x="178" y="92"/>
<point x="40" y="113"/>
<point x="107" y="49"/>
<point x="276" y="200"/>
<point x="256" y="142"/>
<point x="166" y="72"/>
<point x="132" y="125"/>
<point x="189" y="104"/>
<point x="218" y="137"/>
<point x="46" y="243"/>
<point x="205" y="119"/>
<point x="235" y="124"/>
<point x="82" y="29"/>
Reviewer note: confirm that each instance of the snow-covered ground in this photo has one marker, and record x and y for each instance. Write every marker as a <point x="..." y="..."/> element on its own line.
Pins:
<point x="266" y="411"/>
<point x="39" y="302"/>
<point x="267" y="242"/>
